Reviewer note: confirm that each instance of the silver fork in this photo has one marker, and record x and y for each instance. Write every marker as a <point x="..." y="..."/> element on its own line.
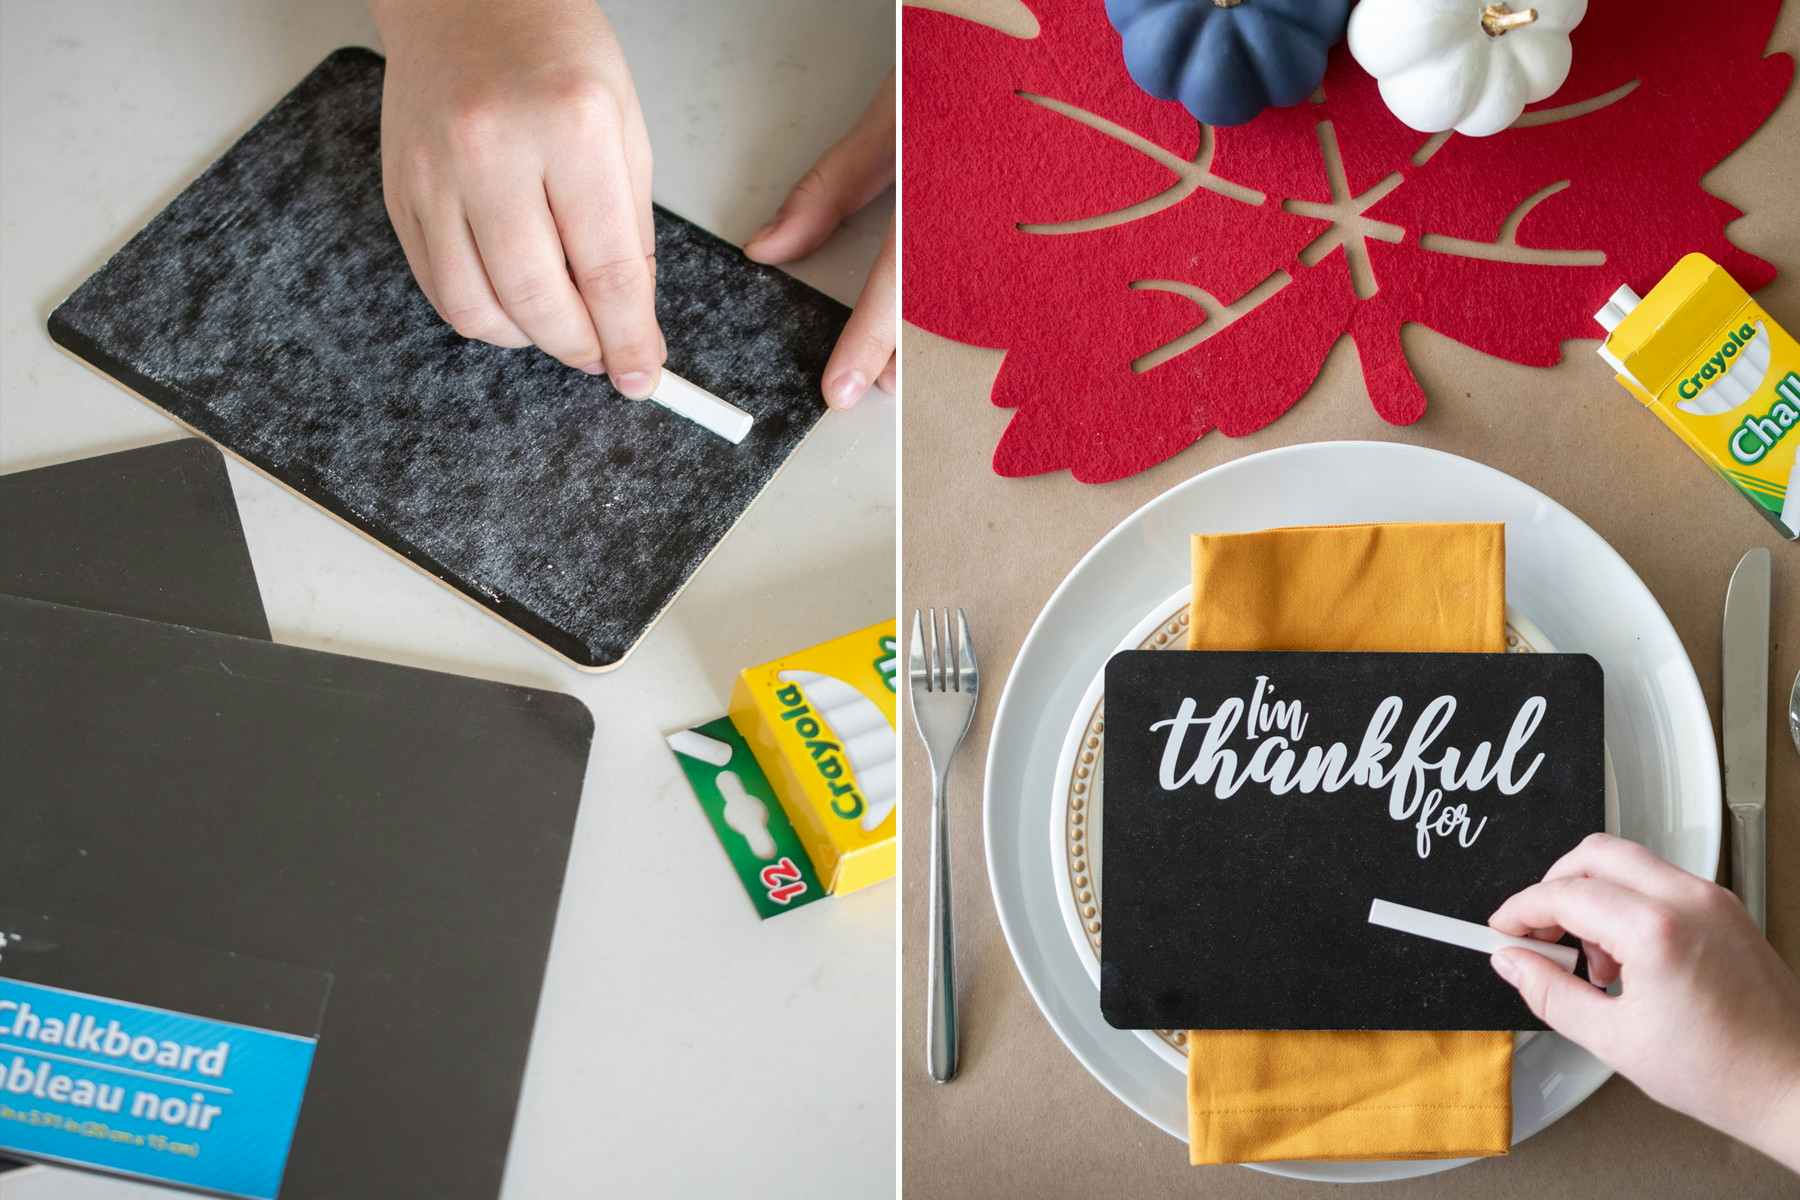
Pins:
<point x="944" y="686"/>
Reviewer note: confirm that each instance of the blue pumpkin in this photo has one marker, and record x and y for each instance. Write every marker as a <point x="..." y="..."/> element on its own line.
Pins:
<point x="1227" y="60"/>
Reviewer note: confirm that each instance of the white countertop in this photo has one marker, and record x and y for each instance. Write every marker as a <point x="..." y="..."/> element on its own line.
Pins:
<point x="683" y="1047"/>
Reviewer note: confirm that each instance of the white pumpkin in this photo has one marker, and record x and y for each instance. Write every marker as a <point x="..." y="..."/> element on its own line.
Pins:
<point x="1467" y="65"/>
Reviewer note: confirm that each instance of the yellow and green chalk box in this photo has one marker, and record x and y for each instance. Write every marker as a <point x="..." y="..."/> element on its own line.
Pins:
<point x="822" y="724"/>
<point x="1717" y="369"/>
<point x="799" y="782"/>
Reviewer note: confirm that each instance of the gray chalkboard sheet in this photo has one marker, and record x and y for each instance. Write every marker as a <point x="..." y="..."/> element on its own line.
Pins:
<point x="152" y="532"/>
<point x="270" y="309"/>
<point x="403" y="831"/>
<point x="1257" y="804"/>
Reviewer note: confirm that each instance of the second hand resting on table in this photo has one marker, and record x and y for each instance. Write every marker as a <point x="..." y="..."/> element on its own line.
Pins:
<point x="516" y="169"/>
<point x="1707" y="1019"/>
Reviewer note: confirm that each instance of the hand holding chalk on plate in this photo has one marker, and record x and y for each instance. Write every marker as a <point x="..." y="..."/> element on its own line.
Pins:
<point x="516" y="171"/>
<point x="1704" y="1019"/>
<point x="1467" y="934"/>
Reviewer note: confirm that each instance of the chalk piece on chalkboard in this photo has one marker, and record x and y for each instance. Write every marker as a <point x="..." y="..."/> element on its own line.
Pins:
<point x="1405" y="919"/>
<point x="699" y="405"/>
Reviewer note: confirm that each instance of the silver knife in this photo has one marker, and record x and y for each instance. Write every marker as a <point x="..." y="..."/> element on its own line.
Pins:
<point x="1746" y="724"/>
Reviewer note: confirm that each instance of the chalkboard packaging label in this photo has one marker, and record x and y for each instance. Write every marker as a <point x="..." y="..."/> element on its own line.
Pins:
<point x="1257" y="803"/>
<point x="92" y="1077"/>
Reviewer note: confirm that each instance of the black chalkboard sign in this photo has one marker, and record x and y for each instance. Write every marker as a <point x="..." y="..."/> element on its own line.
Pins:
<point x="270" y="308"/>
<point x="1256" y="805"/>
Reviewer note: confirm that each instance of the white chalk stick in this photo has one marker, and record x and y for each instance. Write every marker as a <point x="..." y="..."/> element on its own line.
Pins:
<point x="1466" y="934"/>
<point x="698" y="745"/>
<point x="702" y="407"/>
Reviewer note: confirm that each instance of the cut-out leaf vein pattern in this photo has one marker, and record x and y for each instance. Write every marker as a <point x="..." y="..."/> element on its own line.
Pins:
<point x="1152" y="280"/>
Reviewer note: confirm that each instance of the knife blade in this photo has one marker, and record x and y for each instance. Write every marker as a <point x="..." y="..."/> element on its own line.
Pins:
<point x="1746" y="729"/>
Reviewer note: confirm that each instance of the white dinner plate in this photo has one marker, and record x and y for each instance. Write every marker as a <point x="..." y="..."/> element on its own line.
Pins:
<point x="1580" y="596"/>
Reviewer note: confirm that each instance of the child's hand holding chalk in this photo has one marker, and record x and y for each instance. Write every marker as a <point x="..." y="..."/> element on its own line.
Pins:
<point x="516" y="170"/>
<point x="852" y="173"/>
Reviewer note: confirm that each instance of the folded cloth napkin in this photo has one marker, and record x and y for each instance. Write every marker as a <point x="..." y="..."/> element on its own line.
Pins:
<point x="1261" y="1095"/>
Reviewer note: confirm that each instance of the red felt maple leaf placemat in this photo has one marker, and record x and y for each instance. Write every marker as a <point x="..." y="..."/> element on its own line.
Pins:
<point x="1152" y="279"/>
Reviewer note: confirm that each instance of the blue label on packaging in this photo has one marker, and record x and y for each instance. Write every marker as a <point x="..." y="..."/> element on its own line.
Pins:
<point x="147" y="1092"/>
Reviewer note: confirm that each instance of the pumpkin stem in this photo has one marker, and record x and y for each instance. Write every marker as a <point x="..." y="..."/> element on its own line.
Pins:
<point x="1497" y="19"/>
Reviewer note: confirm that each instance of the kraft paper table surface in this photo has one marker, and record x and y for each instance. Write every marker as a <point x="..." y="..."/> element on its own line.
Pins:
<point x="1024" y="1118"/>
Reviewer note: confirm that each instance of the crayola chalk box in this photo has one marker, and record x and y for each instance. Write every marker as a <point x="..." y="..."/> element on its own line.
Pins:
<point x="1718" y="370"/>
<point x="822" y="726"/>
<point x="800" y="780"/>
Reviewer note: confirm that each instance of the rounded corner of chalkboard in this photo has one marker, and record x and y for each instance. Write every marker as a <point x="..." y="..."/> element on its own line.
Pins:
<point x="580" y="716"/>
<point x="1589" y="664"/>
<point x="61" y="332"/>
<point x="1114" y="1017"/>
<point x="1121" y="658"/>
<point x="586" y="659"/>
<point x="199" y="449"/>
<point x="353" y="54"/>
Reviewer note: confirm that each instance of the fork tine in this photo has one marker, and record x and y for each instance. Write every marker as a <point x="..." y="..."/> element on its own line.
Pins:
<point x="933" y="680"/>
<point x="915" y="655"/>
<point x="945" y="675"/>
<point x="970" y="674"/>
<point x="953" y="665"/>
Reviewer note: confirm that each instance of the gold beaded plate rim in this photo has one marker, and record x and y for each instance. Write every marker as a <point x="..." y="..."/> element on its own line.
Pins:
<point x="1081" y="771"/>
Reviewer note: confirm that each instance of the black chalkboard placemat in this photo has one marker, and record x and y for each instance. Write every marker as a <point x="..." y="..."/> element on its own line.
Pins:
<point x="270" y="309"/>
<point x="1256" y="804"/>
<point x="152" y="532"/>
<point x="404" y="831"/>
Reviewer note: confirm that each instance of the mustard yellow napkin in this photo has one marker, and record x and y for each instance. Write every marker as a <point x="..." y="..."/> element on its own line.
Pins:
<point x="1260" y="1095"/>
